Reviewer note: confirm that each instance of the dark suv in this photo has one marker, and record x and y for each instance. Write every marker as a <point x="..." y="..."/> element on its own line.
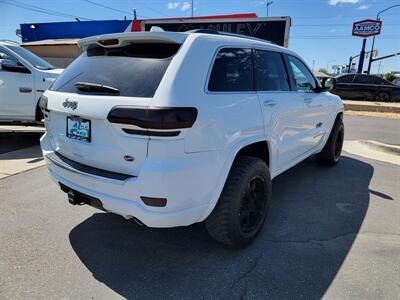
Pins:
<point x="366" y="87"/>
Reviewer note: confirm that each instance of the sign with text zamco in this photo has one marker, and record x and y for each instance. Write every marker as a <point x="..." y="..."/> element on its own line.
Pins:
<point x="367" y="28"/>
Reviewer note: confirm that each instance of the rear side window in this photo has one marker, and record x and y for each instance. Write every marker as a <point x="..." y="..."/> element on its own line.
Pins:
<point x="232" y="71"/>
<point x="381" y="81"/>
<point x="134" y="70"/>
<point x="363" y="79"/>
<point x="271" y="73"/>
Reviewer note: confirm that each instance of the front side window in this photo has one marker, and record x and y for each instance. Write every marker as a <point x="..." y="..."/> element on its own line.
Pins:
<point x="10" y="63"/>
<point x="232" y="71"/>
<point x="33" y="59"/>
<point x="271" y="73"/>
<point x="5" y="55"/>
<point x="304" y="80"/>
<point x="135" y="70"/>
<point x="346" y="79"/>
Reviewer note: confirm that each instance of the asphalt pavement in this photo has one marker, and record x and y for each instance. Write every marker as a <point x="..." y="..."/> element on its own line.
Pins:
<point x="331" y="232"/>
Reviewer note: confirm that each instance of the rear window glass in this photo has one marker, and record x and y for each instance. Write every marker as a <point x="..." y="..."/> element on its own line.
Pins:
<point x="232" y="71"/>
<point x="135" y="70"/>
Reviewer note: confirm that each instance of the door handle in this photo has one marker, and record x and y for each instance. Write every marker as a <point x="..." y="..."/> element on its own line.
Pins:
<point x="270" y="103"/>
<point x="308" y="100"/>
<point x="25" y="90"/>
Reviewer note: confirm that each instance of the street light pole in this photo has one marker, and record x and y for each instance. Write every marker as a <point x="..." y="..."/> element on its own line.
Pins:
<point x="327" y="65"/>
<point x="192" y="8"/>
<point x="373" y="39"/>
<point x="269" y="2"/>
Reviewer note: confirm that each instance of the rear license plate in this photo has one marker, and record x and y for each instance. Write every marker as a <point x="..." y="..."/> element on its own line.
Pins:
<point x="78" y="129"/>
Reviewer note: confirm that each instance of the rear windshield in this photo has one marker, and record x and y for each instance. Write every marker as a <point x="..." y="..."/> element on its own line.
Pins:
<point x="135" y="70"/>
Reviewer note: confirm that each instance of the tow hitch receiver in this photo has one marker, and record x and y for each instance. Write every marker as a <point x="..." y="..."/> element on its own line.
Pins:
<point x="77" y="198"/>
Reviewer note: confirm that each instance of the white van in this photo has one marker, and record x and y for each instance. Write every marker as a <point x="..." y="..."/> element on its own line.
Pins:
<point x="23" y="78"/>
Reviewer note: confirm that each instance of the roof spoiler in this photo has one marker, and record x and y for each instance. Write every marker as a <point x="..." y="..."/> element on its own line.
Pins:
<point x="125" y="38"/>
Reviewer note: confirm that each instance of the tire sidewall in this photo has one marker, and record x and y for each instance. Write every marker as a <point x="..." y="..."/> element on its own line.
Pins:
<point x="379" y="93"/>
<point x="339" y="127"/>
<point x="260" y="170"/>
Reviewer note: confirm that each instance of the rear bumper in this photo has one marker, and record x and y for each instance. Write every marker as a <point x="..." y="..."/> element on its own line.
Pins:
<point x="176" y="180"/>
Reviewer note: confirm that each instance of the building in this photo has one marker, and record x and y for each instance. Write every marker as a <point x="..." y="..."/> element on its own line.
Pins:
<point x="57" y="42"/>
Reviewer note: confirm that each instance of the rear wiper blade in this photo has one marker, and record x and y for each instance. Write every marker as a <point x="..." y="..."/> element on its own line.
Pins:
<point x="94" y="87"/>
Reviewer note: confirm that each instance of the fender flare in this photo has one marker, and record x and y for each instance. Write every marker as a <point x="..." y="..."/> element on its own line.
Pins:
<point x="235" y="149"/>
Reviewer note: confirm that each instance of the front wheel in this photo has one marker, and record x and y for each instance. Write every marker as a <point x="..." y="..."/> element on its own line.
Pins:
<point x="330" y="154"/>
<point x="243" y="205"/>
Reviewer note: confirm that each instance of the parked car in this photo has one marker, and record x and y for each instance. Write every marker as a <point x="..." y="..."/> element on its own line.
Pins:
<point x="23" y="78"/>
<point x="396" y="82"/>
<point x="177" y="128"/>
<point x="366" y="87"/>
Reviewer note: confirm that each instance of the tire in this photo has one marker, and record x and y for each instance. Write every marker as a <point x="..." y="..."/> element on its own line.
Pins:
<point x="330" y="154"/>
<point x="382" y="97"/>
<point x="243" y="205"/>
<point x="38" y="114"/>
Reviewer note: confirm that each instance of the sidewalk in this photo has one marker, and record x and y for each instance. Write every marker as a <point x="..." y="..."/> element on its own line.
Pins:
<point x="370" y="106"/>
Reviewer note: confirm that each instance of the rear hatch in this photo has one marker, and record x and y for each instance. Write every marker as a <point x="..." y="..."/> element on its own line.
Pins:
<point x="119" y="70"/>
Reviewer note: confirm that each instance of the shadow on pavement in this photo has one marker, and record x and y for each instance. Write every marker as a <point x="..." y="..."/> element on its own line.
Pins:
<point x="12" y="141"/>
<point x="314" y="219"/>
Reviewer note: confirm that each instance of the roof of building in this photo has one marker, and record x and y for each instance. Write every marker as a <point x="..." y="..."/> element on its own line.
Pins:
<point x="9" y="43"/>
<point x="321" y="74"/>
<point x="52" y="42"/>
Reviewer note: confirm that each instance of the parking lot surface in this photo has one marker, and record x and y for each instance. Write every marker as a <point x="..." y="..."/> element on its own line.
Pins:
<point x="331" y="232"/>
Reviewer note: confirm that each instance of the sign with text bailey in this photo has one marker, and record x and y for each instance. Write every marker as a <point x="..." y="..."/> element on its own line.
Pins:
<point x="367" y="28"/>
<point x="274" y="29"/>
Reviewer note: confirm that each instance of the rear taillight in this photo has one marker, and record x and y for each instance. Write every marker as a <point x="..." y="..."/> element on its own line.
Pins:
<point x="43" y="106"/>
<point x="154" y="117"/>
<point x="109" y="42"/>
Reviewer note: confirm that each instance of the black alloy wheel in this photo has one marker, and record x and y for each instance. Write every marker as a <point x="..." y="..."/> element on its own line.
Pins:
<point x="252" y="206"/>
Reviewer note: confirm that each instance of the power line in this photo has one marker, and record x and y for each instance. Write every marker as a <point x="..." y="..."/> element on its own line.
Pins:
<point x="159" y="12"/>
<point x="107" y="7"/>
<point x="311" y="37"/>
<point x="42" y="10"/>
<point x="330" y="25"/>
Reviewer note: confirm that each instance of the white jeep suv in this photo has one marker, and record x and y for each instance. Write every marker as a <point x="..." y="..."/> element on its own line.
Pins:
<point x="177" y="128"/>
<point x="23" y="79"/>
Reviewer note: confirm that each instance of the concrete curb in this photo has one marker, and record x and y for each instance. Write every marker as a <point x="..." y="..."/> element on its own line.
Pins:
<point x="392" y="149"/>
<point x="372" y="106"/>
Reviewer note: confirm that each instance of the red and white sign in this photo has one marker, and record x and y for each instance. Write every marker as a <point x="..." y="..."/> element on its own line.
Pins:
<point x="367" y="28"/>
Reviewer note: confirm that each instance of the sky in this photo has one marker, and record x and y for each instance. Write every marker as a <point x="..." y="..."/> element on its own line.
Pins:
<point x="320" y="32"/>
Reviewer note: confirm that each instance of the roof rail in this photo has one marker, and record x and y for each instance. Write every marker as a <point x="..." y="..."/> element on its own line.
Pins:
<point x="212" y="31"/>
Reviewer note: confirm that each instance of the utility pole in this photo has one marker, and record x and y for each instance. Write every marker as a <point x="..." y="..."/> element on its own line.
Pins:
<point x="269" y="2"/>
<point x="362" y="56"/>
<point x="373" y="40"/>
<point x="351" y="62"/>
<point x="192" y="7"/>
<point x="134" y="14"/>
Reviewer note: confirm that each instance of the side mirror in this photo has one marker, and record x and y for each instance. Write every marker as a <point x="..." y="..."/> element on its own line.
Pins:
<point x="13" y="66"/>
<point x="328" y="84"/>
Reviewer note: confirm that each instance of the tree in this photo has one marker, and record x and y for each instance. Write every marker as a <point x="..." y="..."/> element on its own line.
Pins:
<point x="323" y="70"/>
<point x="390" y="76"/>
